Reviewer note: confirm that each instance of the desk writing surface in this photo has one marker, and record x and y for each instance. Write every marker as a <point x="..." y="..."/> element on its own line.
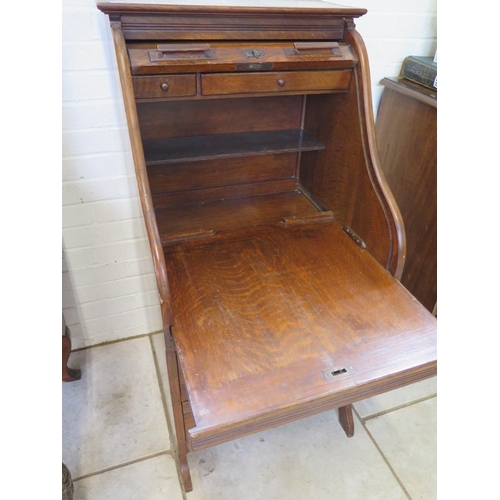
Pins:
<point x="259" y="317"/>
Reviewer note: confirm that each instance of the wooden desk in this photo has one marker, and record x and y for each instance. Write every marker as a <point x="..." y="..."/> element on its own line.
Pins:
<point x="407" y="140"/>
<point x="275" y="240"/>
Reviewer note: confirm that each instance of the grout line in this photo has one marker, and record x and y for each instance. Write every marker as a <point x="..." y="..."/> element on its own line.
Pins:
<point x="384" y="458"/>
<point x="109" y="342"/>
<point x="124" y="464"/>
<point x="405" y="405"/>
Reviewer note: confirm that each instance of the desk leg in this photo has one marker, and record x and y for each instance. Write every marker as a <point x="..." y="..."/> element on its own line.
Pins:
<point x="180" y="430"/>
<point x="346" y="419"/>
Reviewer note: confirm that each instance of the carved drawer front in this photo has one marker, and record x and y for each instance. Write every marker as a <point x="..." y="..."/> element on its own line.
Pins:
<point x="164" y="86"/>
<point x="284" y="81"/>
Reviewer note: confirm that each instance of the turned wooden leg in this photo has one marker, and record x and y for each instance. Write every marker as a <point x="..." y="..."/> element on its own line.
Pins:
<point x="346" y="419"/>
<point x="68" y="374"/>
<point x="180" y="430"/>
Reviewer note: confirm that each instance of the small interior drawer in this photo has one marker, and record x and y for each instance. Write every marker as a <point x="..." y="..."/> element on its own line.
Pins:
<point x="284" y="81"/>
<point x="164" y="86"/>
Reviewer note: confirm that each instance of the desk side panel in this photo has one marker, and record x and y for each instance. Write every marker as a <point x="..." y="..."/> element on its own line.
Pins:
<point x="346" y="177"/>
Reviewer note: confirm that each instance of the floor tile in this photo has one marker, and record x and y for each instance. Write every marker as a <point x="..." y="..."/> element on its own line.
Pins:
<point x="307" y="459"/>
<point x="114" y="414"/>
<point x="407" y="437"/>
<point x="398" y="397"/>
<point x="152" y="479"/>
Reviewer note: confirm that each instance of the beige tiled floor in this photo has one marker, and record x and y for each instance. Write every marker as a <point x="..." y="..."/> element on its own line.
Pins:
<point x="116" y="423"/>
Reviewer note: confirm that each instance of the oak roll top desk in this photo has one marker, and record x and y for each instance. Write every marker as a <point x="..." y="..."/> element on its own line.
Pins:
<point x="276" y="242"/>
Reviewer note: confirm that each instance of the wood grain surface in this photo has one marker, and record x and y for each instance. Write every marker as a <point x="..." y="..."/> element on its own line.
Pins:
<point x="259" y="318"/>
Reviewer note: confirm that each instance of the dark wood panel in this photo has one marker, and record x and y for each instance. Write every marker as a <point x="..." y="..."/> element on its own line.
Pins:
<point x="407" y="139"/>
<point x="337" y="176"/>
<point x="241" y="83"/>
<point x="208" y="195"/>
<point x="211" y="173"/>
<point x="218" y="116"/>
<point x="233" y="214"/>
<point x="179" y="149"/>
<point x="259" y="317"/>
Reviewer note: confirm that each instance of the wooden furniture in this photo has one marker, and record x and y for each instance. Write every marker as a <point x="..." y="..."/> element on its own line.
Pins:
<point x="68" y="374"/>
<point x="406" y="134"/>
<point x="275" y="239"/>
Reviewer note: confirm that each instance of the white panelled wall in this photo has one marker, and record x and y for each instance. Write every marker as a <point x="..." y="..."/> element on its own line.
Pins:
<point x="109" y="288"/>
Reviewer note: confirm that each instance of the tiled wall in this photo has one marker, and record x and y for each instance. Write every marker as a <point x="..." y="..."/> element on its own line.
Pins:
<point x="109" y="289"/>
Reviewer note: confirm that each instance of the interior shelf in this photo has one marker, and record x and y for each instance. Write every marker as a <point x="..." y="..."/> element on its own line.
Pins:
<point x="205" y="147"/>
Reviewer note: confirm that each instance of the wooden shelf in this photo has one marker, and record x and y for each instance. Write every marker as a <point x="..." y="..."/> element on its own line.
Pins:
<point x="205" y="147"/>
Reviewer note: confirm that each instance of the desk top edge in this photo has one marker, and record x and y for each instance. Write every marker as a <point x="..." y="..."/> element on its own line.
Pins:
<point x="271" y="7"/>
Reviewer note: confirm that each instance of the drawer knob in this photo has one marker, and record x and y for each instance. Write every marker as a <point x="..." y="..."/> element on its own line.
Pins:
<point x="281" y="82"/>
<point x="164" y="86"/>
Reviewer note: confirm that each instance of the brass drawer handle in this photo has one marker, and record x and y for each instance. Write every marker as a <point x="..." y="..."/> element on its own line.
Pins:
<point x="281" y="82"/>
<point x="164" y="86"/>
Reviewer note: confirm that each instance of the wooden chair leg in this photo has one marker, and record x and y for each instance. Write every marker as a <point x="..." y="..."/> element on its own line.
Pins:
<point x="180" y="430"/>
<point x="68" y="374"/>
<point x="346" y="419"/>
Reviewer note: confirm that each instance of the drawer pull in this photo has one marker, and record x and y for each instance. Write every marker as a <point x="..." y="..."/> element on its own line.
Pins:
<point x="164" y="86"/>
<point x="181" y="52"/>
<point x="315" y="45"/>
<point x="318" y="50"/>
<point x="179" y="47"/>
<point x="281" y="82"/>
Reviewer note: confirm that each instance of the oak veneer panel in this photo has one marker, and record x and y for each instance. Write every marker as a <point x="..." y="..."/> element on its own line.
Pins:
<point x="231" y="214"/>
<point x="407" y="139"/>
<point x="259" y="317"/>
<point x="218" y="116"/>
